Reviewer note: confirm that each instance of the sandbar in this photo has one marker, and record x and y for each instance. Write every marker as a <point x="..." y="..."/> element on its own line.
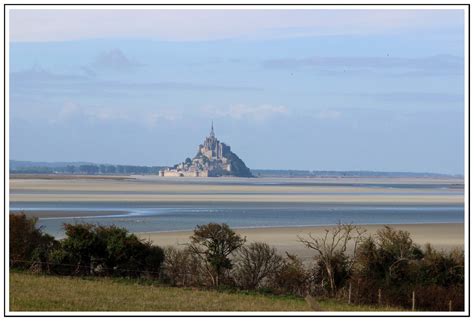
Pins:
<point x="223" y="190"/>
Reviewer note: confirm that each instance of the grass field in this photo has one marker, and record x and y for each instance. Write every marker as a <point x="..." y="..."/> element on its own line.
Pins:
<point x="50" y="293"/>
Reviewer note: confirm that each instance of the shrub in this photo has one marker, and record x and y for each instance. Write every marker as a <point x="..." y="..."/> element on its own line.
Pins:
<point x="340" y="273"/>
<point x="81" y="247"/>
<point x="291" y="278"/>
<point x="437" y="298"/>
<point x="40" y="255"/>
<point x="153" y="260"/>
<point x="60" y="262"/>
<point x="28" y="244"/>
<point x="387" y="258"/>
<point x="182" y="268"/>
<point x="392" y="262"/>
<point x="396" y="251"/>
<point x="255" y="264"/>
<point x="109" y="250"/>
<point x="441" y="268"/>
<point x="214" y="243"/>
<point x="113" y="249"/>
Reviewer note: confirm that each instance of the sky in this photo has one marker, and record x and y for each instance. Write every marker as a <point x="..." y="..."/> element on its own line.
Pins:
<point x="308" y="89"/>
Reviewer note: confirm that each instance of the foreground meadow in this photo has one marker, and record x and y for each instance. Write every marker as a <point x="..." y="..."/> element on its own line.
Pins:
<point x="30" y="292"/>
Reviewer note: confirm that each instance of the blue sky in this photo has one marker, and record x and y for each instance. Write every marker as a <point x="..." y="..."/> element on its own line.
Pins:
<point x="299" y="89"/>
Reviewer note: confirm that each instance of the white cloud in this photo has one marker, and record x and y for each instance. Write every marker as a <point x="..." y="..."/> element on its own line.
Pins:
<point x="154" y="118"/>
<point x="68" y="110"/>
<point x="106" y="114"/>
<point x="65" y="113"/>
<point x="260" y="112"/>
<point x="148" y="119"/>
<point x="328" y="114"/>
<point x="73" y="112"/>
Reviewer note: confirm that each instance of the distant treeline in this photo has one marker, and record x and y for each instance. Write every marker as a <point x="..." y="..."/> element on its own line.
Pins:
<point x="307" y="173"/>
<point x="25" y="167"/>
<point x="79" y="168"/>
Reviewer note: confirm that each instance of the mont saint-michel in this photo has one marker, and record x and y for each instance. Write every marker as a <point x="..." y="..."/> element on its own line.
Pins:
<point x="214" y="158"/>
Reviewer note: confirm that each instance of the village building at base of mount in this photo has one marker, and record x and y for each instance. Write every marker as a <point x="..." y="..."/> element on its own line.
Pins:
<point x="213" y="159"/>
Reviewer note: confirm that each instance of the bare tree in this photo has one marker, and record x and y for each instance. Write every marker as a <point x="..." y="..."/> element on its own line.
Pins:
<point x="256" y="262"/>
<point x="333" y="246"/>
<point x="182" y="268"/>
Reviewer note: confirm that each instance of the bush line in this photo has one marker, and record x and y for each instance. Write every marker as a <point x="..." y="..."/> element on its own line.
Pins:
<point x="385" y="269"/>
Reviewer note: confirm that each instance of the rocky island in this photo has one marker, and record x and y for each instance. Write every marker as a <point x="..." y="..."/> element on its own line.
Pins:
<point x="213" y="159"/>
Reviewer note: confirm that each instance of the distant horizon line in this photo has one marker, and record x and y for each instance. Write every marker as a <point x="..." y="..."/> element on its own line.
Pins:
<point x="254" y="169"/>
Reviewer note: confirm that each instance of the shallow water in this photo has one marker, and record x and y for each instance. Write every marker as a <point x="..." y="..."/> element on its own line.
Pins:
<point x="146" y="217"/>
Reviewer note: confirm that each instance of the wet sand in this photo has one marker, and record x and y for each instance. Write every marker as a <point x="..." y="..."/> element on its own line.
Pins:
<point x="228" y="190"/>
<point x="285" y="239"/>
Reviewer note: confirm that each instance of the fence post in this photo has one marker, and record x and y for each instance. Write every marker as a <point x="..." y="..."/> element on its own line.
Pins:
<point x="413" y="301"/>
<point x="357" y="291"/>
<point x="350" y="293"/>
<point x="379" y="297"/>
<point x="450" y="305"/>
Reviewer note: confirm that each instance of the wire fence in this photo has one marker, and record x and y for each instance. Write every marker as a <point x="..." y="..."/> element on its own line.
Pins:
<point x="412" y="298"/>
<point x="96" y="266"/>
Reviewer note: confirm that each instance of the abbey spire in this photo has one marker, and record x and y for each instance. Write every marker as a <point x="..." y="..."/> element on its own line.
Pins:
<point x="212" y="130"/>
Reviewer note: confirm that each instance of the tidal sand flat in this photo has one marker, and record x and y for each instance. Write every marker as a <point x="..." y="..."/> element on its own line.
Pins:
<point x="205" y="190"/>
<point x="285" y="239"/>
<point x="159" y="204"/>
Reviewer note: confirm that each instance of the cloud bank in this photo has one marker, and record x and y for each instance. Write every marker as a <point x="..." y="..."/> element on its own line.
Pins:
<point x="240" y="111"/>
<point x="199" y="25"/>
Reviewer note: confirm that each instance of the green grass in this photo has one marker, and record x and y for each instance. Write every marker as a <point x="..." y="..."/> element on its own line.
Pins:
<point x="51" y="293"/>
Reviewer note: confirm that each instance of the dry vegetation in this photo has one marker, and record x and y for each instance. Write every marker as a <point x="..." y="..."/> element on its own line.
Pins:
<point x="51" y="293"/>
<point x="48" y="293"/>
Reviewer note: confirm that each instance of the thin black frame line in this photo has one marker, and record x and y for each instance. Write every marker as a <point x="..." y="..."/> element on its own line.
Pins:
<point x="235" y="4"/>
<point x="223" y="5"/>
<point x="4" y="163"/>
<point x="468" y="151"/>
